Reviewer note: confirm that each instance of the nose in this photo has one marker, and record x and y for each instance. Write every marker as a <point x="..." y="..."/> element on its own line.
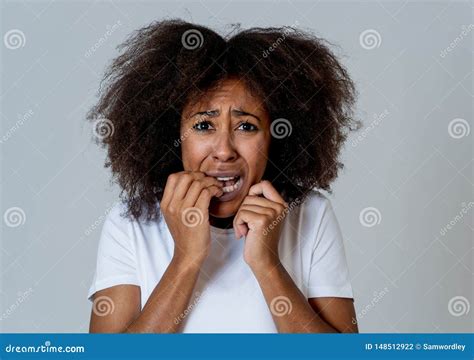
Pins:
<point x="223" y="148"/>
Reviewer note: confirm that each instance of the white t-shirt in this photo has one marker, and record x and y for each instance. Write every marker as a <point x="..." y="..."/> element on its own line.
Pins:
<point x="227" y="297"/>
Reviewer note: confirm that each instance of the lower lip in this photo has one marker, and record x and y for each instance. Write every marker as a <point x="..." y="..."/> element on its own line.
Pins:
<point x="227" y="196"/>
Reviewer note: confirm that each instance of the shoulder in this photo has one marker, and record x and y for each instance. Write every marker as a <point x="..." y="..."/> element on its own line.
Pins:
<point x="316" y="200"/>
<point x="117" y="213"/>
<point x="313" y="216"/>
<point x="313" y="207"/>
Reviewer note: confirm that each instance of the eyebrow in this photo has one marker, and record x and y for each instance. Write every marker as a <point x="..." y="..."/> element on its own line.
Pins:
<point x="235" y="112"/>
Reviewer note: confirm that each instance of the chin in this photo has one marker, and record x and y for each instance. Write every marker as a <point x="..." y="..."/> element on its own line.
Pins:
<point x="224" y="209"/>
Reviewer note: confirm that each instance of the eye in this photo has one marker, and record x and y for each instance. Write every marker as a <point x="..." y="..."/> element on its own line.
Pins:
<point x="246" y="126"/>
<point x="202" y="126"/>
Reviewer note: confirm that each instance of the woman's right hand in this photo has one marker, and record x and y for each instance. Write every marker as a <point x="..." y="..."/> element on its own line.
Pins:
<point x="185" y="207"/>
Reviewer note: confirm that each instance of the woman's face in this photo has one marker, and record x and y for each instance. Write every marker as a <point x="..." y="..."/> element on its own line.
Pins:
<point x="227" y="135"/>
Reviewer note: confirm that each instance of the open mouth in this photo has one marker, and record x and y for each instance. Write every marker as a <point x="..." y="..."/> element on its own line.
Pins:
<point x="229" y="183"/>
<point x="232" y="183"/>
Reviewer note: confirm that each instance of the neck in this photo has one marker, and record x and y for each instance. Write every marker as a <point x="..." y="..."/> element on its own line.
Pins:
<point x="223" y="223"/>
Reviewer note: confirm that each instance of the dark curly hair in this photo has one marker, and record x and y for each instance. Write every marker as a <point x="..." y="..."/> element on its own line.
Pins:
<point x="168" y="64"/>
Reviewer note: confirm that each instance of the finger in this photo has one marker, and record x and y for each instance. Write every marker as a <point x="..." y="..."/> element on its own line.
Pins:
<point x="243" y="221"/>
<point x="263" y="210"/>
<point x="243" y="229"/>
<point x="183" y="183"/>
<point x="170" y="185"/>
<point x="205" y="197"/>
<point x="196" y="187"/>
<point x="266" y="189"/>
<point x="260" y="201"/>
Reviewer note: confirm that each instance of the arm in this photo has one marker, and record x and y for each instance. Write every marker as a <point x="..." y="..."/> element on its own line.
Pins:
<point x="291" y="310"/>
<point x="293" y="313"/>
<point x="186" y="194"/>
<point x="162" y="311"/>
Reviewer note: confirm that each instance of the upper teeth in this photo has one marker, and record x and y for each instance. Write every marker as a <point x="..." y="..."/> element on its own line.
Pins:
<point x="225" y="178"/>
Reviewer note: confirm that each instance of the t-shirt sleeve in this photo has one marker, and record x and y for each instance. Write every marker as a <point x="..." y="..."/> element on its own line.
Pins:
<point x="116" y="260"/>
<point x="329" y="273"/>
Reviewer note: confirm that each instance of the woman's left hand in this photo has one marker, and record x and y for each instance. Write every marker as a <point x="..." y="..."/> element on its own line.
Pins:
<point x="259" y="220"/>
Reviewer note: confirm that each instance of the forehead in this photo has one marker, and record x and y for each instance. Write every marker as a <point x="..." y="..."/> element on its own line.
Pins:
<point x="233" y="93"/>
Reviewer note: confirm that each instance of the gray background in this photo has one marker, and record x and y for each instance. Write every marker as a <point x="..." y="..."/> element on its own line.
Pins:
<point x="412" y="163"/>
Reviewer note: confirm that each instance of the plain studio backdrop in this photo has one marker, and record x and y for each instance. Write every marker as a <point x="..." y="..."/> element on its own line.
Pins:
<point x="404" y="199"/>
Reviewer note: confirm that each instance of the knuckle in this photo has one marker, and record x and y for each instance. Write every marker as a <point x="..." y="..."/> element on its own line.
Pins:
<point x="171" y="178"/>
<point x="187" y="176"/>
<point x="172" y="209"/>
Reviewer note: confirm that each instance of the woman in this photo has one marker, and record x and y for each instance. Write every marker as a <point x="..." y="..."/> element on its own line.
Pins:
<point x="218" y="144"/>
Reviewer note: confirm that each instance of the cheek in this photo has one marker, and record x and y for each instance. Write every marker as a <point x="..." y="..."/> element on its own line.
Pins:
<point x="192" y="154"/>
<point x="256" y="156"/>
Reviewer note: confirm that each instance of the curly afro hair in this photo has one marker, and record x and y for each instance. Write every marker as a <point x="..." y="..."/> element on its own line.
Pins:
<point x="167" y="64"/>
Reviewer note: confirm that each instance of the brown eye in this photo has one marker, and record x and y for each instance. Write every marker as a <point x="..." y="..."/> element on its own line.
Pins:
<point x="246" y="126"/>
<point x="202" y="126"/>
